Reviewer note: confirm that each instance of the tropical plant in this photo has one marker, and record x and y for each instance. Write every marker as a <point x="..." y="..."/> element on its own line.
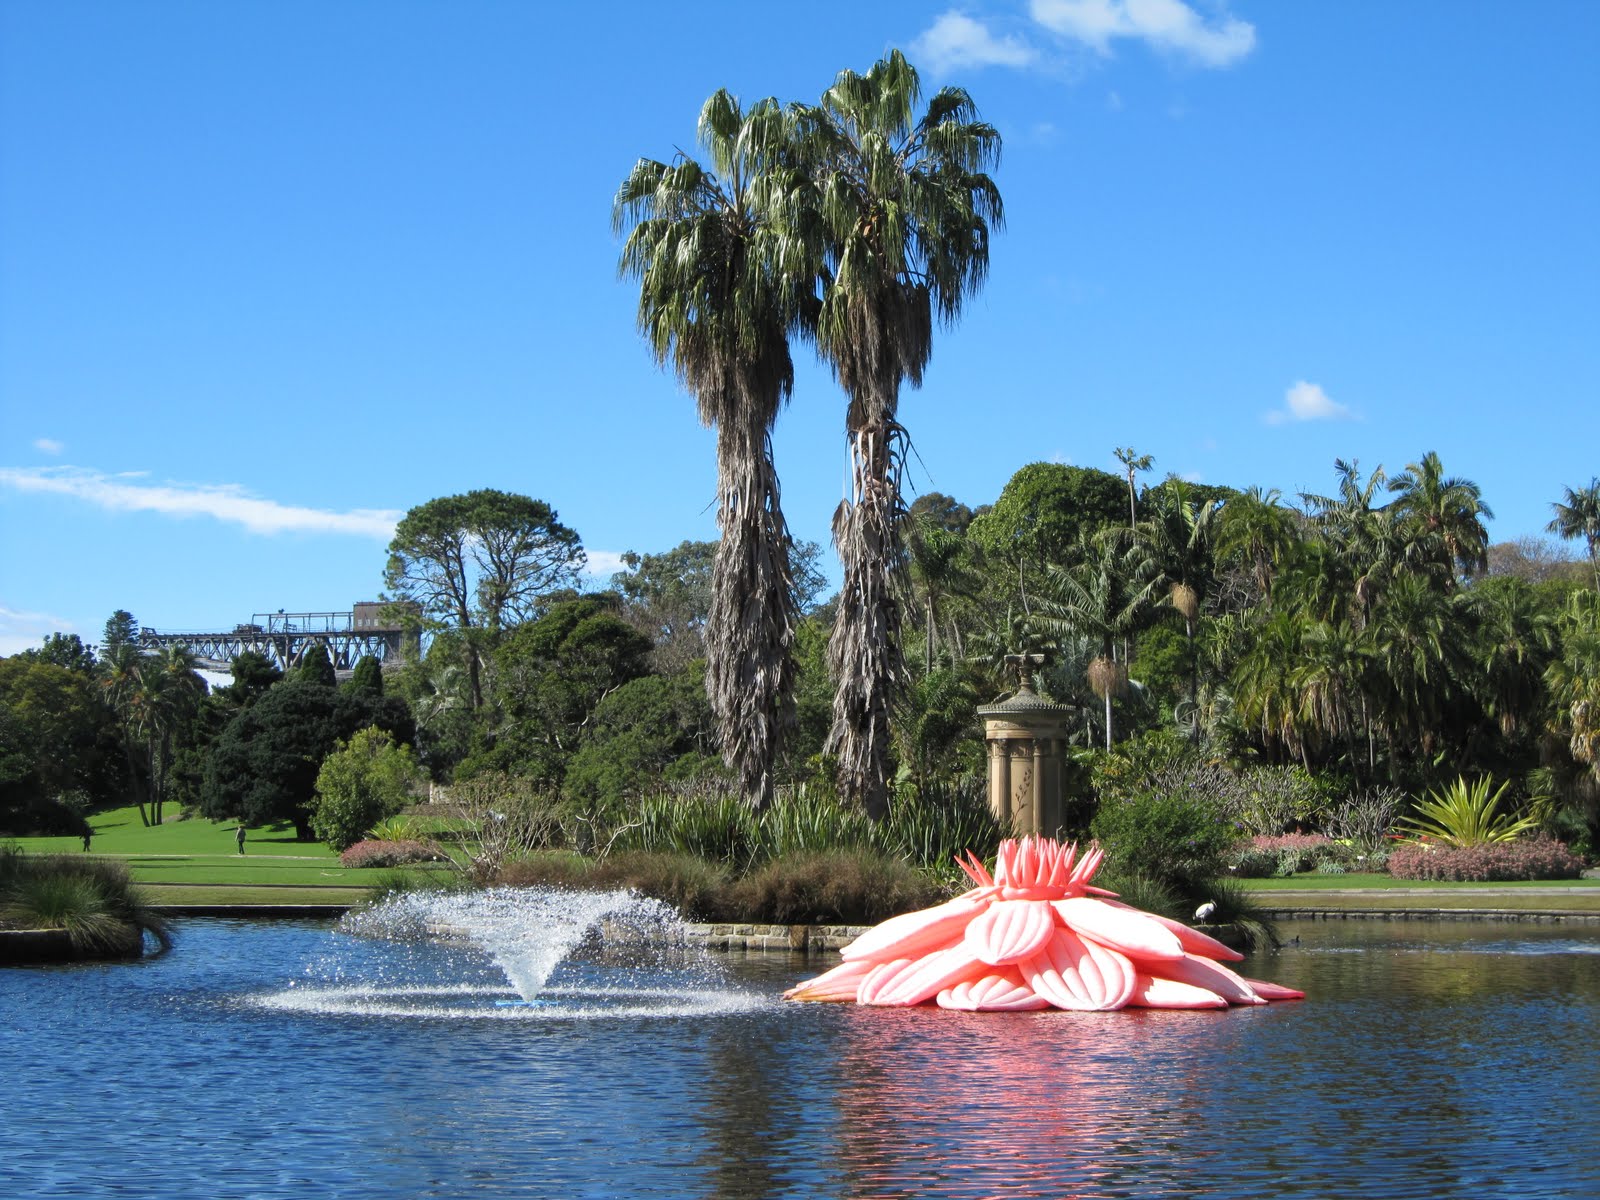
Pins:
<point x="361" y="782"/>
<point x="904" y="209"/>
<point x="1442" y="519"/>
<point x="1102" y="597"/>
<point x="1466" y="814"/>
<point x="722" y="280"/>
<point x="1133" y="461"/>
<point x="1578" y="515"/>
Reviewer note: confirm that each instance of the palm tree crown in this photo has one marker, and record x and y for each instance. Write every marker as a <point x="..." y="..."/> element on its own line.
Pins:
<point x="720" y="286"/>
<point x="904" y="210"/>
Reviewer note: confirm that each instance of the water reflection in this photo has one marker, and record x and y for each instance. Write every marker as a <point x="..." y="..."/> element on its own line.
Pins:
<point x="1443" y="1059"/>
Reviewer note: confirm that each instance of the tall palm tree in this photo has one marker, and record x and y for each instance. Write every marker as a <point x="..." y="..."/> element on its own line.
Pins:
<point x="1180" y="534"/>
<point x="1131" y="462"/>
<point x="939" y="563"/>
<point x="1513" y="639"/>
<point x="1102" y="597"/>
<point x="1579" y="516"/>
<point x="1256" y="531"/>
<point x="1442" y="518"/>
<point x="905" y="210"/>
<point x="1363" y="533"/>
<point x="721" y="284"/>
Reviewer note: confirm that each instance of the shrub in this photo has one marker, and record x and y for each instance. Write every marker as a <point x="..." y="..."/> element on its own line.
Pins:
<point x="374" y="853"/>
<point x="360" y="783"/>
<point x="1464" y="814"/>
<point x="1529" y="858"/>
<point x="92" y="899"/>
<point x="855" y="887"/>
<point x="1179" y="839"/>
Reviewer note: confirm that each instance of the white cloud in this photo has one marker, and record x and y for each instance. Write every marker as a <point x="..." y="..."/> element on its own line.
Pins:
<point x="1170" y="26"/>
<point x="49" y="445"/>
<point x="603" y="564"/>
<point x="1307" y="402"/>
<point x="222" y="502"/>
<point x="956" y="40"/>
<point x="20" y="630"/>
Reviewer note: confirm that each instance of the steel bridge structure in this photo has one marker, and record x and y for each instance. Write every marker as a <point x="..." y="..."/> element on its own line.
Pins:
<point x="284" y="637"/>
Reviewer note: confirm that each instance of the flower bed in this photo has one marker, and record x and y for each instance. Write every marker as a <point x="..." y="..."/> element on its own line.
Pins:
<point x="373" y="853"/>
<point x="1526" y="858"/>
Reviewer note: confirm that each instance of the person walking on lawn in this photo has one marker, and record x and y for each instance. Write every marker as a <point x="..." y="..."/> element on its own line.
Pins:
<point x="239" y="837"/>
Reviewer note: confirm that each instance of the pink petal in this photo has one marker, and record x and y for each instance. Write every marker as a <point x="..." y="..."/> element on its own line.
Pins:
<point x="1010" y="931"/>
<point x="911" y="982"/>
<point x="1066" y="974"/>
<point x="1125" y="929"/>
<point x="914" y="934"/>
<point x="1193" y="940"/>
<point x="1150" y="992"/>
<point x="1274" y="991"/>
<point x="1004" y="992"/>
<point x="1204" y="973"/>
<point x="839" y="984"/>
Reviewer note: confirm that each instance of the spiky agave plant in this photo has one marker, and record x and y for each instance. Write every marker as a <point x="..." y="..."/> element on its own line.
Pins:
<point x="1466" y="814"/>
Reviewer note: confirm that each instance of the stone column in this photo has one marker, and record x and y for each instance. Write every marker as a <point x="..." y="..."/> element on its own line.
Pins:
<point x="1026" y="736"/>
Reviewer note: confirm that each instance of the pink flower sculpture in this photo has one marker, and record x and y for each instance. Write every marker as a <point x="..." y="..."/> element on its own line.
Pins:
<point x="1036" y="935"/>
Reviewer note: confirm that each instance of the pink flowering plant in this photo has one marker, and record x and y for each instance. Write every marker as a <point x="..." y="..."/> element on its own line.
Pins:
<point x="1487" y="862"/>
<point x="375" y="853"/>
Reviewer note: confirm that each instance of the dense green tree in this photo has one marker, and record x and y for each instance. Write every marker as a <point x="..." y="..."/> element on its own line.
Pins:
<point x="1043" y="513"/>
<point x="1442" y="519"/>
<point x="264" y="765"/>
<point x="942" y="570"/>
<point x="669" y="598"/>
<point x="315" y="667"/>
<point x="649" y="730"/>
<point x="253" y="673"/>
<point x="722" y="280"/>
<point x="63" y="650"/>
<point x="120" y="630"/>
<point x="478" y="563"/>
<point x="1102" y="596"/>
<point x="367" y="676"/>
<point x="362" y="781"/>
<point x="1578" y="515"/>
<point x="550" y="676"/>
<point x="1256" y="532"/>
<point x="58" y="748"/>
<point x="905" y="210"/>
<point x="940" y="511"/>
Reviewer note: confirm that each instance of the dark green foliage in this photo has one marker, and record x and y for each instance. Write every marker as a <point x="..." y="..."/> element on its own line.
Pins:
<point x="833" y="887"/>
<point x="264" y="765"/>
<point x="650" y="729"/>
<point x="315" y="667"/>
<point x="91" y="898"/>
<point x="1046" y="509"/>
<point x="1157" y="823"/>
<point x="58" y="748"/>
<point x="121" y="630"/>
<point x="253" y="673"/>
<point x="550" y="676"/>
<point x="63" y="650"/>
<point x="367" y="677"/>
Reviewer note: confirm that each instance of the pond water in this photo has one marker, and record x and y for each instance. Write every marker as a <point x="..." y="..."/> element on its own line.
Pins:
<point x="279" y="1059"/>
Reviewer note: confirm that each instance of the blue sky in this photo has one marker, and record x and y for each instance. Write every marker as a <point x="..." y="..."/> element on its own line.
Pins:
<point x="273" y="273"/>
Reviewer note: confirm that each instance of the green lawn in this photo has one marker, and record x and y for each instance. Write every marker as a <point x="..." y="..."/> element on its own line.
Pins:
<point x="202" y="852"/>
<point x="1327" y="883"/>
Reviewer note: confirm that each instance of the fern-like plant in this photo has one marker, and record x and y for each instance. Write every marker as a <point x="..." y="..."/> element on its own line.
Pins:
<point x="1466" y="814"/>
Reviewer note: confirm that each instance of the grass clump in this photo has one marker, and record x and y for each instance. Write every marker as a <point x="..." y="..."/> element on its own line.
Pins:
<point x="93" y="900"/>
<point x="833" y="887"/>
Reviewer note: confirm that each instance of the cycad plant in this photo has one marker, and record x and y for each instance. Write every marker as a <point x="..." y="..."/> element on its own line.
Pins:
<point x="1466" y="814"/>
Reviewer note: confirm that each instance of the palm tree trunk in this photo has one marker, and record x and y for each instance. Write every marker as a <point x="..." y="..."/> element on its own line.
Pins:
<point x="864" y="651"/>
<point x="750" y="626"/>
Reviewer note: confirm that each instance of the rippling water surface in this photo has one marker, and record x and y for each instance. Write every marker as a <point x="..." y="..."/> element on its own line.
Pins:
<point x="284" y="1059"/>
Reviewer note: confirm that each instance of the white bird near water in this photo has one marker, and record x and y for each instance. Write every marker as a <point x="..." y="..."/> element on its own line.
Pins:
<point x="1203" y="913"/>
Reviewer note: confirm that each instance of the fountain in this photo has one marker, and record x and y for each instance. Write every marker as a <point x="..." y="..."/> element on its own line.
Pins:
<point x="513" y="953"/>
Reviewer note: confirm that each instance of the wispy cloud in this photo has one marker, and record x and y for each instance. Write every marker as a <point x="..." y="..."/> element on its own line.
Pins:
<point x="1307" y="402"/>
<point x="603" y="564"/>
<point x="957" y="40"/>
<point x="1169" y="26"/>
<point x="222" y="502"/>
<point x="21" y="630"/>
<point x="49" y="445"/>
